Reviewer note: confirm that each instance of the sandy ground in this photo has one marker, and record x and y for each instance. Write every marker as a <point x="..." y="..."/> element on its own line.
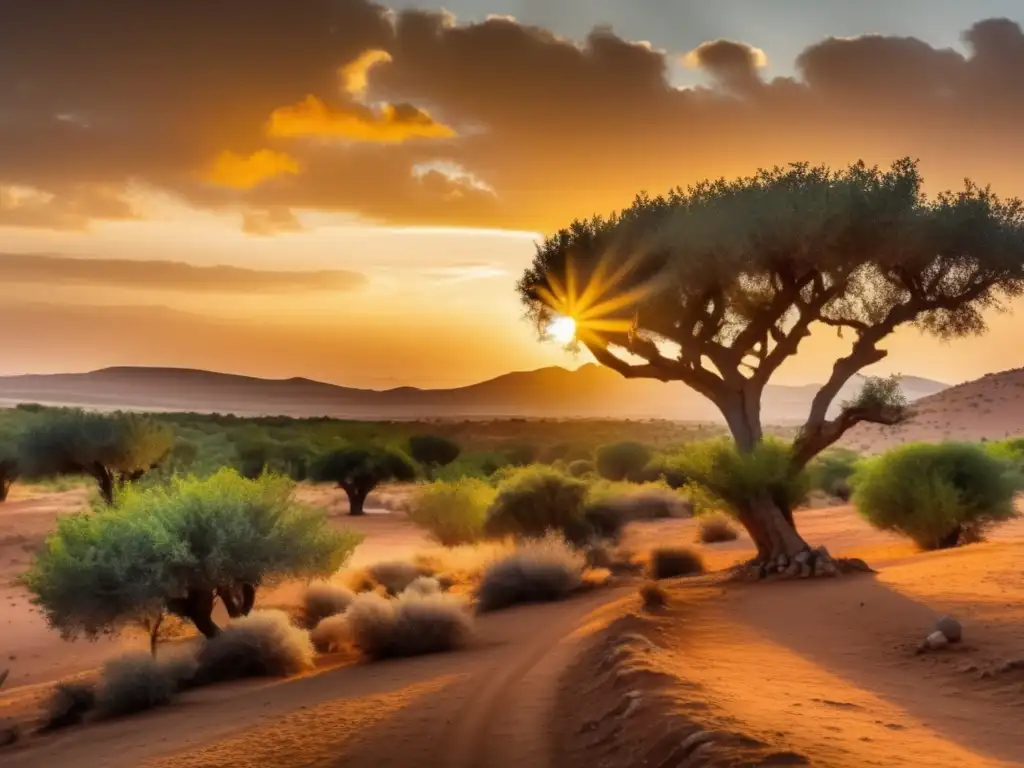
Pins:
<point x="821" y="673"/>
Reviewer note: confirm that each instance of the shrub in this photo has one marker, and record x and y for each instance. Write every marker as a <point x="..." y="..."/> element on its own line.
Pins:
<point x="262" y="644"/>
<point x="395" y="575"/>
<point x="722" y="477"/>
<point x="671" y="562"/>
<point x="936" y="495"/>
<point x="331" y="634"/>
<point x="831" y="471"/>
<point x="580" y="468"/>
<point x="452" y="513"/>
<point x="433" y="450"/>
<point x="611" y="506"/>
<point x="357" y="470"/>
<point x="68" y="704"/>
<point x="622" y="461"/>
<point x="653" y="596"/>
<point x="322" y="599"/>
<point x="536" y="500"/>
<point x="193" y="537"/>
<point x="715" y="529"/>
<point x="411" y="625"/>
<point x="463" y="564"/>
<point x="424" y="585"/>
<point x="134" y="683"/>
<point x="543" y="570"/>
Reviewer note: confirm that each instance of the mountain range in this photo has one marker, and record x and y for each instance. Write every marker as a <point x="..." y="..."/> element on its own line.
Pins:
<point x="590" y="391"/>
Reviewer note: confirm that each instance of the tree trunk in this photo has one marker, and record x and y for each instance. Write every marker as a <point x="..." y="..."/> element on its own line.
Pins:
<point x="950" y="540"/>
<point x="227" y="596"/>
<point x="5" y="487"/>
<point x="105" y="481"/>
<point x="154" y="631"/>
<point x="197" y="607"/>
<point x="356" y="500"/>
<point x="248" y="598"/>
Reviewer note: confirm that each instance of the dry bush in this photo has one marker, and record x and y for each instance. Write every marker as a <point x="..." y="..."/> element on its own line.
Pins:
<point x="68" y="703"/>
<point x="262" y="644"/>
<point x="593" y="578"/>
<point x="653" y="596"/>
<point x="670" y="562"/>
<point x="716" y="529"/>
<point x="395" y="575"/>
<point x="541" y="570"/>
<point x="182" y="668"/>
<point x="331" y="634"/>
<point x="134" y="683"/>
<point x="425" y="585"/>
<point x="410" y="625"/>
<point x="323" y="599"/>
<point x="463" y="564"/>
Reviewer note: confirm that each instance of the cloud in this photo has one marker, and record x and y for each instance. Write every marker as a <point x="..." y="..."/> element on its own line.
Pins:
<point x="169" y="275"/>
<point x="270" y="221"/>
<point x="354" y="74"/>
<point x="391" y="124"/>
<point x="73" y="209"/>
<point x="555" y="128"/>
<point x="233" y="170"/>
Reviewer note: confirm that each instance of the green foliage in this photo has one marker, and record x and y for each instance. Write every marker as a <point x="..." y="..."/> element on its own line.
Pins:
<point x="721" y="477"/>
<point x="878" y="393"/>
<point x="580" y="468"/>
<point x="520" y="454"/>
<point x="535" y="500"/>
<point x="936" y="495"/>
<point x="128" y="564"/>
<point x="111" y="448"/>
<point x="831" y="471"/>
<point x="433" y="450"/>
<point x="360" y="469"/>
<point x="622" y="461"/>
<point x="9" y="462"/>
<point x="452" y="513"/>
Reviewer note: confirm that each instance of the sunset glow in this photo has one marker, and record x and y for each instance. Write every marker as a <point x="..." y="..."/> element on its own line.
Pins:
<point x="562" y="329"/>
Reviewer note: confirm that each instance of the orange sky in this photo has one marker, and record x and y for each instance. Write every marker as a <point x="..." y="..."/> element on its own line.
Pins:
<point x="391" y="171"/>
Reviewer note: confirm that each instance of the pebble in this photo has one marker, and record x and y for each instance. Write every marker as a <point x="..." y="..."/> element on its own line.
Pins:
<point x="950" y="628"/>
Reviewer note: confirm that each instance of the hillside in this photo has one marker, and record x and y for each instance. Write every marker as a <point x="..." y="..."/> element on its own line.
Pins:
<point x="991" y="407"/>
<point x="588" y="392"/>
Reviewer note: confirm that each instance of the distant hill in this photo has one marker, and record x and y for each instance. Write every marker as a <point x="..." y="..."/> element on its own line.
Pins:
<point x="591" y="391"/>
<point x="990" y="408"/>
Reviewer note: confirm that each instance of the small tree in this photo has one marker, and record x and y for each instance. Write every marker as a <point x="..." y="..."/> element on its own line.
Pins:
<point x="717" y="285"/>
<point x="433" y="451"/>
<point x="359" y="469"/>
<point x="113" y="448"/>
<point x="8" y="465"/>
<point x="622" y="461"/>
<point x="175" y="549"/>
<point x="937" y="495"/>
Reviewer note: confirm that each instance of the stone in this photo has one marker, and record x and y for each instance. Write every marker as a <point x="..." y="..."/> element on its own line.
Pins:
<point x="695" y="740"/>
<point x="806" y="571"/>
<point x="935" y="641"/>
<point x="803" y="557"/>
<point x="951" y="628"/>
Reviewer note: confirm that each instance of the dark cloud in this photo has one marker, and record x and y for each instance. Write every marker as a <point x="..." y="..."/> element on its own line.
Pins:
<point x="168" y="275"/>
<point x="179" y="95"/>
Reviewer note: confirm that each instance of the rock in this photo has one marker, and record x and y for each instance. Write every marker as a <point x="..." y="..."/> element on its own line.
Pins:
<point x="935" y="641"/>
<point x="803" y="557"/>
<point x="806" y="571"/>
<point x="951" y="628"/>
<point x="695" y="740"/>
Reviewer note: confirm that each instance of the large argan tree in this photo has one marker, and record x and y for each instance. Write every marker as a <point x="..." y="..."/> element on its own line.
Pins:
<point x="717" y="285"/>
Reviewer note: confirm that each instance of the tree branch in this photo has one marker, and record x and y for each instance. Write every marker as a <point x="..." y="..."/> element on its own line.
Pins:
<point x="809" y="445"/>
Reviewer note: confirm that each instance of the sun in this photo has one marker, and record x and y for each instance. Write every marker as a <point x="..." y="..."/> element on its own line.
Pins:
<point x="562" y="329"/>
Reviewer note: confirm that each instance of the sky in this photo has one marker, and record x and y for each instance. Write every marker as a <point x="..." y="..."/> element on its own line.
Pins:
<point x="348" y="191"/>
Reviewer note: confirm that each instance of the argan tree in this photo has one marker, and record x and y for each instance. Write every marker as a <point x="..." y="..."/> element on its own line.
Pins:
<point x="111" y="448"/>
<point x="177" y="547"/>
<point x="359" y="469"/>
<point x="433" y="451"/>
<point x="717" y="285"/>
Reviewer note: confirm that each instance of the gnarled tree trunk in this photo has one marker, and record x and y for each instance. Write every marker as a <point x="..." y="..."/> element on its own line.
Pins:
<point x="356" y="498"/>
<point x="197" y="607"/>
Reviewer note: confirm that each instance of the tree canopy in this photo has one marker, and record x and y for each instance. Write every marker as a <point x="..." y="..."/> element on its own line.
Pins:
<point x="359" y="469"/>
<point x="175" y="547"/>
<point x="717" y="285"/>
<point x="433" y="450"/>
<point x="111" y="448"/>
